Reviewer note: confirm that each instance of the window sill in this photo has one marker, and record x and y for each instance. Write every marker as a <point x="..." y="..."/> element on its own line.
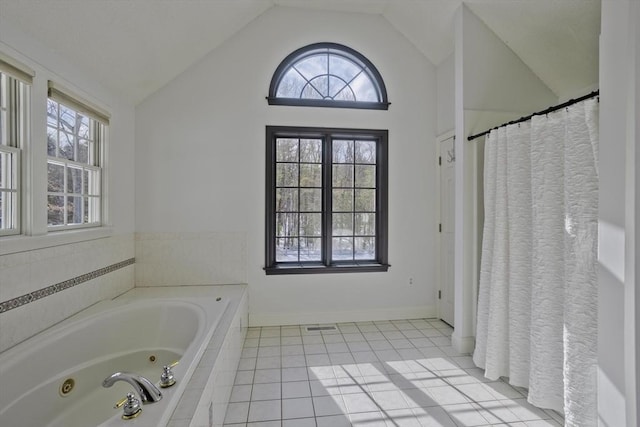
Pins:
<point x="322" y="269"/>
<point x="21" y="243"/>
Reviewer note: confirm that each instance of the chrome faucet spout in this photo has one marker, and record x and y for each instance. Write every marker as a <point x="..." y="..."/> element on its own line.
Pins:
<point x="148" y="392"/>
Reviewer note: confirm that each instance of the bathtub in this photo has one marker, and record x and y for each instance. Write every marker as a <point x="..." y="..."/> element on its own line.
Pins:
<point x="55" y="378"/>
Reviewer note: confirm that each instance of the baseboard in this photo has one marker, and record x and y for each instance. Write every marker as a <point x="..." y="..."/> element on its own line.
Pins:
<point x="463" y="344"/>
<point x="304" y="318"/>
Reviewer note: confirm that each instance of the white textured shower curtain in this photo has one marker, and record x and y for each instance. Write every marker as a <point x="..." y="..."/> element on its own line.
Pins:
<point x="537" y="301"/>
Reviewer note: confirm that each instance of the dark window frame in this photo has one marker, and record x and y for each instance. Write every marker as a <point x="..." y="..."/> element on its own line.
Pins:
<point x="381" y="262"/>
<point x="336" y="49"/>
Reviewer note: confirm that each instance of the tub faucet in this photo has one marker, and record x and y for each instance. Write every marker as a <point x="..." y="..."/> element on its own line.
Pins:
<point x="148" y="392"/>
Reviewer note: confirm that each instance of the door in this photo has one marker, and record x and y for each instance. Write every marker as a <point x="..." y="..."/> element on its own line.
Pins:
<point x="447" y="188"/>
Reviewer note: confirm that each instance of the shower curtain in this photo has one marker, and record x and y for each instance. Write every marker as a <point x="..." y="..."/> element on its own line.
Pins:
<point x="537" y="300"/>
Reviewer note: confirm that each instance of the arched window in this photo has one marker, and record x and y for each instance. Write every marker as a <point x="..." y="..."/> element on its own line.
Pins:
<point x="328" y="75"/>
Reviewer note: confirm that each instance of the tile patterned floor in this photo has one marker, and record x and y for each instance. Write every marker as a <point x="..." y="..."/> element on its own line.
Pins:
<point x="393" y="373"/>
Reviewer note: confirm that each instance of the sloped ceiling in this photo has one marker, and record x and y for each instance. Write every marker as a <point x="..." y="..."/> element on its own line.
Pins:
<point x="557" y="39"/>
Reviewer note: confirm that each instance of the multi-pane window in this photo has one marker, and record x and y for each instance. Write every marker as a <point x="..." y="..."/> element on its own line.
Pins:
<point x="328" y="75"/>
<point x="326" y="200"/>
<point x="74" y="184"/>
<point x="13" y="99"/>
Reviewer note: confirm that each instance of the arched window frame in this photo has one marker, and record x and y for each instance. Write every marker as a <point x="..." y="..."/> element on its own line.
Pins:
<point x="334" y="49"/>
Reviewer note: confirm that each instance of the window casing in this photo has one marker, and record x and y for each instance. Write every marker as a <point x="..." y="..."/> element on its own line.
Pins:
<point x="14" y="95"/>
<point x="74" y="167"/>
<point x="326" y="200"/>
<point x="328" y="75"/>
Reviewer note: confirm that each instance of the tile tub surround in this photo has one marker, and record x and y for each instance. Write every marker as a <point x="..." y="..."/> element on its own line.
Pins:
<point x="205" y="399"/>
<point x="170" y="259"/>
<point x="393" y="373"/>
<point x="62" y="268"/>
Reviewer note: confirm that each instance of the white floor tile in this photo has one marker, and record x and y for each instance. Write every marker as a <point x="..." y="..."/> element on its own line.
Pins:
<point x="297" y="408"/>
<point x="388" y="373"/>
<point x="388" y="400"/>
<point x="266" y="376"/>
<point x="333" y="421"/>
<point x="265" y="410"/>
<point x="294" y="374"/>
<point x="300" y="422"/>
<point x="359" y="402"/>
<point x="269" y="362"/>
<point x="328" y="405"/>
<point x="296" y="389"/>
<point x="268" y="391"/>
<point x="293" y="361"/>
<point x="369" y="419"/>
<point x="240" y="393"/>
<point x="237" y="413"/>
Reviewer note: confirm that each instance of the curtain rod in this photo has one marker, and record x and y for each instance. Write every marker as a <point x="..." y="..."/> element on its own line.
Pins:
<point x="539" y="113"/>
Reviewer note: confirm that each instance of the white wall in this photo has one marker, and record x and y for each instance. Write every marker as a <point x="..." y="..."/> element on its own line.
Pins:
<point x="492" y="85"/>
<point x="445" y="75"/>
<point x="618" y="303"/>
<point x="29" y="263"/>
<point x="200" y="155"/>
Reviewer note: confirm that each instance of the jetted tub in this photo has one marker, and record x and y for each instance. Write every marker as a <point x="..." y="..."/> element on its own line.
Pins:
<point x="55" y="378"/>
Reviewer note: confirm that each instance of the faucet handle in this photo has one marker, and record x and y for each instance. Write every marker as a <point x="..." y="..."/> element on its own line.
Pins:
<point x="131" y="406"/>
<point x="167" y="379"/>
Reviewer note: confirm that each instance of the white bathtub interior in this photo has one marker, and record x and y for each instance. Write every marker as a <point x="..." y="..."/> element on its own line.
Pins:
<point x="139" y="332"/>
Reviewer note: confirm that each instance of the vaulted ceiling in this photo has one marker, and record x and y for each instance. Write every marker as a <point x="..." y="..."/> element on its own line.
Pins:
<point x="137" y="46"/>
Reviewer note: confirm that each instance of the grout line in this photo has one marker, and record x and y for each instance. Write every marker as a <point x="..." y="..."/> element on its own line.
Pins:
<point x="58" y="287"/>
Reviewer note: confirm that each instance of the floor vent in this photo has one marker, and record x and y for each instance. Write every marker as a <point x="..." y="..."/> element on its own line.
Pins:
<point x="320" y="328"/>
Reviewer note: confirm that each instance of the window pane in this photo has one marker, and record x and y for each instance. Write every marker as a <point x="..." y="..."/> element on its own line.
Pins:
<point x="310" y="200"/>
<point x="286" y="249"/>
<point x="67" y="119"/>
<point x="342" y="248"/>
<point x="286" y="150"/>
<point x="365" y="224"/>
<point x="312" y="66"/>
<point x="287" y="175"/>
<point x="52" y="141"/>
<point x="3" y="225"/>
<point x="310" y="175"/>
<point x="286" y="199"/>
<point x="310" y="224"/>
<point x="342" y="224"/>
<point x="343" y="68"/>
<point x="286" y="224"/>
<point x="291" y="85"/>
<point x="310" y="249"/>
<point x="342" y="151"/>
<point x="55" y="210"/>
<point x="84" y="127"/>
<point x="364" y="89"/>
<point x="366" y="152"/>
<point x="337" y="90"/>
<point x="83" y="151"/>
<point x="52" y="113"/>
<point x="342" y="176"/>
<point x="311" y="92"/>
<point x="321" y="84"/>
<point x="366" y="200"/>
<point x="342" y="200"/>
<point x="311" y="150"/>
<point x="365" y="176"/>
<point x="365" y="248"/>
<point x="65" y="146"/>
<point x="55" y="178"/>
<point x="345" y="94"/>
<point x="74" y="210"/>
<point x="74" y="180"/>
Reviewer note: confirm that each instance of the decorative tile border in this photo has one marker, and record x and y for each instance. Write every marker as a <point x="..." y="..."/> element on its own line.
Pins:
<point x="50" y="290"/>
